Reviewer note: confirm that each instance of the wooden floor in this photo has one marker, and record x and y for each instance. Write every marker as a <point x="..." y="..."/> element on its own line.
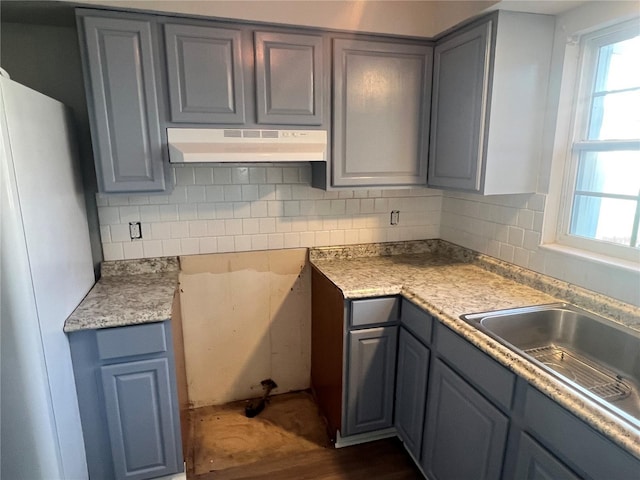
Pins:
<point x="381" y="460"/>
<point x="287" y="441"/>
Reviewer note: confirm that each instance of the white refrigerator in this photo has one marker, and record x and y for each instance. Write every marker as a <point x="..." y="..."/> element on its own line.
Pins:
<point x="46" y="270"/>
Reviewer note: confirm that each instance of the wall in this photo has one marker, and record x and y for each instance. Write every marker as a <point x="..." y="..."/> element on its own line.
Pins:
<point x="395" y="17"/>
<point x="47" y="59"/>
<point x="259" y="207"/>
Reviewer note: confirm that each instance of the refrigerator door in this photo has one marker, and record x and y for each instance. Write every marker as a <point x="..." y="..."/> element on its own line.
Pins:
<point x="48" y="202"/>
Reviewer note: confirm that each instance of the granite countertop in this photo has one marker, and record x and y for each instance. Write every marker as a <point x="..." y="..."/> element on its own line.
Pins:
<point x="448" y="281"/>
<point x="130" y="292"/>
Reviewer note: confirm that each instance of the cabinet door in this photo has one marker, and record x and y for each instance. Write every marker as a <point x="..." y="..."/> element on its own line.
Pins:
<point x="459" y="103"/>
<point x="381" y="108"/>
<point x="206" y="81"/>
<point x="465" y="435"/>
<point x="411" y="391"/>
<point x="140" y="416"/>
<point x="535" y="463"/>
<point x="371" y="379"/>
<point x="289" y="79"/>
<point x="123" y="102"/>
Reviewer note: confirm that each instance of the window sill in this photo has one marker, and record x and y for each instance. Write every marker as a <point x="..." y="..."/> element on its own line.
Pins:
<point x="592" y="257"/>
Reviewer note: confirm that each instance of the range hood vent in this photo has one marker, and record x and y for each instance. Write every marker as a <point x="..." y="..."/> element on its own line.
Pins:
<point x="203" y="145"/>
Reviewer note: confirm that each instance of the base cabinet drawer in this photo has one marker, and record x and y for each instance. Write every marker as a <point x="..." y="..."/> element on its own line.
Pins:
<point x="489" y="377"/>
<point x="533" y="462"/>
<point x="586" y="451"/>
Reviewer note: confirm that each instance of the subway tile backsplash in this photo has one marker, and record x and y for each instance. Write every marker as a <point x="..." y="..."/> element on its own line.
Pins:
<point x="509" y="227"/>
<point x="240" y="208"/>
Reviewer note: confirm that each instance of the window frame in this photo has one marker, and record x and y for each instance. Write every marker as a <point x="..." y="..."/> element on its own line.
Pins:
<point x="581" y="111"/>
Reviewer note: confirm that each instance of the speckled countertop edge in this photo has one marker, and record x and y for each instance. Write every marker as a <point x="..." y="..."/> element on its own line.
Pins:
<point x="601" y="420"/>
<point x="130" y="292"/>
<point x="616" y="310"/>
<point x="614" y="428"/>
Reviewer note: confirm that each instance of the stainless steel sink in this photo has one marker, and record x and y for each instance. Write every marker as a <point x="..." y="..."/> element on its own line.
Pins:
<point x="591" y="354"/>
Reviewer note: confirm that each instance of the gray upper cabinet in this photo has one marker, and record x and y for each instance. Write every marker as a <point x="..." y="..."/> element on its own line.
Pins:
<point x="460" y="86"/>
<point x="488" y="104"/>
<point x="289" y="79"/>
<point x="205" y="74"/>
<point x="380" y="113"/>
<point x="120" y="78"/>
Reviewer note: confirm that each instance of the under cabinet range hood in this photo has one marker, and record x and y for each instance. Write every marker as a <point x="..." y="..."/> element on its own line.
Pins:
<point x="205" y="145"/>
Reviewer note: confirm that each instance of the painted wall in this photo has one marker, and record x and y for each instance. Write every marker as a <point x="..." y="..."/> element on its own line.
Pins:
<point x="243" y="208"/>
<point x="395" y="17"/>
<point x="245" y="318"/>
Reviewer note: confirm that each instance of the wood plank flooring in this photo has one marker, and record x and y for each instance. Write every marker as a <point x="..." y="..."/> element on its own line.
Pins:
<point x="287" y="441"/>
<point x="381" y="460"/>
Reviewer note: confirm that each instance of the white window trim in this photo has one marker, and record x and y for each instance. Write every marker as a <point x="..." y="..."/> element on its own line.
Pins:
<point x="563" y="168"/>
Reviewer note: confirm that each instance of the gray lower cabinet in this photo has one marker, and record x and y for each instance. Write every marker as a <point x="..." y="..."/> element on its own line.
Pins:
<point x="122" y="94"/>
<point x="205" y="74"/>
<point x="125" y="378"/>
<point x="533" y="462"/>
<point x="370" y="380"/>
<point x="290" y="79"/>
<point x="411" y="391"/>
<point x="573" y="442"/>
<point x="487" y="117"/>
<point x="381" y="95"/>
<point x="464" y="434"/>
<point x="460" y="413"/>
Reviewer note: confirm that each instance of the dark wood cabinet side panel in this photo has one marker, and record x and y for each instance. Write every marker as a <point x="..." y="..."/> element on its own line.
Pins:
<point x="327" y="336"/>
<point x="181" y="371"/>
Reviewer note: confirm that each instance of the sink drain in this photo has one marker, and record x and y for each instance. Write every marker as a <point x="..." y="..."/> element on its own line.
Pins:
<point x="579" y="370"/>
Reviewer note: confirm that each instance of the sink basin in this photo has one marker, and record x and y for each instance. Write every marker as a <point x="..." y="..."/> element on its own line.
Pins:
<point x="595" y="356"/>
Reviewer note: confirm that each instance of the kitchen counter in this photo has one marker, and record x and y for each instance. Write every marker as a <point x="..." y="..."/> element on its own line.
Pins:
<point x="130" y="292"/>
<point x="448" y="281"/>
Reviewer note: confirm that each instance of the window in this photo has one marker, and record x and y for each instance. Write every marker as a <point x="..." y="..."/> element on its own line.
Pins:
<point x="601" y="211"/>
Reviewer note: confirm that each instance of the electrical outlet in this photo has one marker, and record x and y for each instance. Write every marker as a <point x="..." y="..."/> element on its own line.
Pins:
<point x="395" y="217"/>
<point x="135" y="230"/>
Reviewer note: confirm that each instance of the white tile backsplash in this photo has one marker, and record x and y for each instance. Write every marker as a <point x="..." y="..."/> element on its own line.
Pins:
<point x="226" y="209"/>
<point x="509" y="227"/>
